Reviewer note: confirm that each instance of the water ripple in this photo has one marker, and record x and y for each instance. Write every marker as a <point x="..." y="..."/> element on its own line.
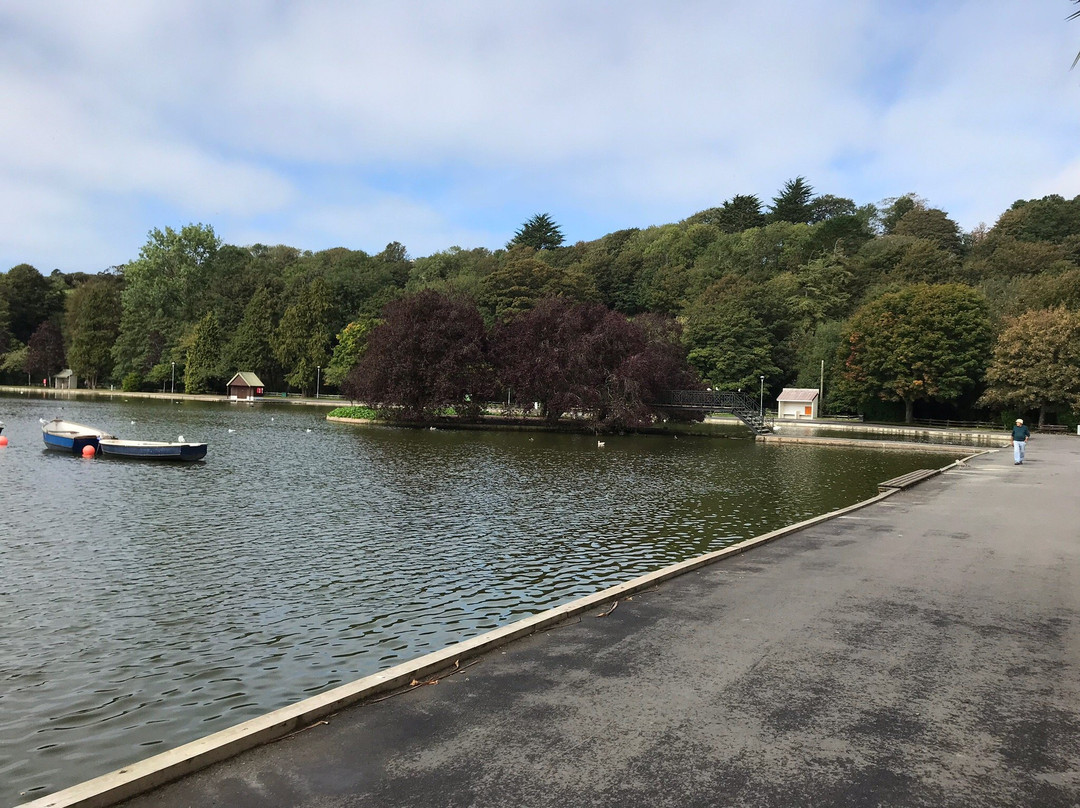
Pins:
<point x="147" y="605"/>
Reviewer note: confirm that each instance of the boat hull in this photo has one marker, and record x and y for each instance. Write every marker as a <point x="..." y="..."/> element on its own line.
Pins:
<point x="152" y="450"/>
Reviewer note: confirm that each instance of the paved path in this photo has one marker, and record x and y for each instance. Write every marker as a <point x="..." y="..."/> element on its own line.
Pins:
<point x="922" y="651"/>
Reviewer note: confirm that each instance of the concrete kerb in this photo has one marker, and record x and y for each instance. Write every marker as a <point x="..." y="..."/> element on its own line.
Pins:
<point x="149" y="773"/>
<point x="878" y="444"/>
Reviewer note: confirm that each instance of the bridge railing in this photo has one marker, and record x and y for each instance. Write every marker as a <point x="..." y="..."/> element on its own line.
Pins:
<point x="745" y="408"/>
<point x="704" y="399"/>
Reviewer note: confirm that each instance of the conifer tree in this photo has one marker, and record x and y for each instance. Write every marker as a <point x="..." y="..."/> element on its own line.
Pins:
<point x="540" y="233"/>
<point x="249" y="348"/>
<point x="794" y="203"/>
<point x="203" y="372"/>
<point x="302" y="340"/>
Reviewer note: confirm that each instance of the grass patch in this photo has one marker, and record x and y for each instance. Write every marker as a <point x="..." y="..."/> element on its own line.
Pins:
<point x="353" y="412"/>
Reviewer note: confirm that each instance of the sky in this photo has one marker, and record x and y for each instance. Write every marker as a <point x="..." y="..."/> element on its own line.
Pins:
<point x="356" y="123"/>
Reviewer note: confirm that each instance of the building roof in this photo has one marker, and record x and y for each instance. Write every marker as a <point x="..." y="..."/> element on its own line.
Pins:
<point x="246" y="377"/>
<point x="66" y="373"/>
<point x="798" y="394"/>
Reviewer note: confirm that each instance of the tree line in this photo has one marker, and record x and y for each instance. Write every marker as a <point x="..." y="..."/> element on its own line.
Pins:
<point x="900" y="313"/>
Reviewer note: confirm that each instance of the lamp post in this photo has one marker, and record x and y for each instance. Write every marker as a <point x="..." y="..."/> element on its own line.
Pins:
<point x="172" y="381"/>
<point x="318" y="378"/>
<point x="821" y="390"/>
<point x="761" y="400"/>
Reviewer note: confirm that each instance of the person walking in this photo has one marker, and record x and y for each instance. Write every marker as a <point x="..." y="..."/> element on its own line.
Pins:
<point x="1020" y="435"/>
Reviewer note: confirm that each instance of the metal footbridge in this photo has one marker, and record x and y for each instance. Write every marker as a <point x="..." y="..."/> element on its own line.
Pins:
<point x="738" y="404"/>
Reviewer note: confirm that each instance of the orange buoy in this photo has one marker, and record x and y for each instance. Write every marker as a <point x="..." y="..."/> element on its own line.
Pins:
<point x="3" y="441"/>
<point x="88" y="451"/>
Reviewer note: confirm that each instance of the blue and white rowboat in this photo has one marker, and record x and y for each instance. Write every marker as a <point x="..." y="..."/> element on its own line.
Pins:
<point x="152" y="449"/>
<point x="67" y="436"/>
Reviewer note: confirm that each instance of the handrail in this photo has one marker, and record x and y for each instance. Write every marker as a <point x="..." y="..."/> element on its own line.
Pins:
<point x="736" y="402"/>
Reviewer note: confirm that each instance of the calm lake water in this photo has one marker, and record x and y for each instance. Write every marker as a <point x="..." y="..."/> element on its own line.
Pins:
<point x="144" y="605"/>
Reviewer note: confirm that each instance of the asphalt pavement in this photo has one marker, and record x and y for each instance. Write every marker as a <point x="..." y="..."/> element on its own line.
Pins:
<point x="922" y="651"/>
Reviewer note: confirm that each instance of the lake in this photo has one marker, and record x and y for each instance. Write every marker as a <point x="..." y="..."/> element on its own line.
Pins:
<point x="143" y="605"/>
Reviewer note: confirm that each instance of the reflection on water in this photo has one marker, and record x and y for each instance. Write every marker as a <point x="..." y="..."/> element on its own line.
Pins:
<point x="144" y="605"/>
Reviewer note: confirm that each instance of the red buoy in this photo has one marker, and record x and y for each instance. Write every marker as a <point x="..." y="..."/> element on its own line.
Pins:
<point x="88" y="451"/>
<point x="3" y="440"/>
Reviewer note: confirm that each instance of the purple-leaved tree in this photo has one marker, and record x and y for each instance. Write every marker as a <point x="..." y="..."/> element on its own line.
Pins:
<point x="428" y="353"/>
<point x="583" y="357"/>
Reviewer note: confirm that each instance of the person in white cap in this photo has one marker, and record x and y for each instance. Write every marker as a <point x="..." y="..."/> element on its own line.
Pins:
<point x="1020" y="435"/>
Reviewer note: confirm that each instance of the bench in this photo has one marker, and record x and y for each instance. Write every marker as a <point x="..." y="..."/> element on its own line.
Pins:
<point x="1058" y="429"/>
<point x="907" y="480"/>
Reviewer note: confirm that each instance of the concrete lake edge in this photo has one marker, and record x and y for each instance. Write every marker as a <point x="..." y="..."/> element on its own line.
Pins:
<point x="149" y="773"/>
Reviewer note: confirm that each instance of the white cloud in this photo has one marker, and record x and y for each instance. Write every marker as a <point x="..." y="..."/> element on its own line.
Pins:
<point x="355" y="124"/>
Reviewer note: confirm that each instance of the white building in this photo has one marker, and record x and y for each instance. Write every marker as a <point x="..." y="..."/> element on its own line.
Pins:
<point x="65" y="380"/>
<point x="797" y="402"/>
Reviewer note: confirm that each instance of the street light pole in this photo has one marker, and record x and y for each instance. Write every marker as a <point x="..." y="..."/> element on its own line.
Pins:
<point x="821" y="390"/>
<point x="172" y="382"/>
<point x="761" y="400"/>
<point x="318" y="377"/>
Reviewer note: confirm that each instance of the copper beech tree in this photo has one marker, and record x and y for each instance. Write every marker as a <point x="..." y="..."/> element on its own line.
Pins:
<point x="428" y="353"/>
<point x="431" y="352"/>
<point x="585" y="358"/>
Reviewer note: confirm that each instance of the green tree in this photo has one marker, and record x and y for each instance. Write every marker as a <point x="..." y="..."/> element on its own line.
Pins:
<point x="817" y="359"/>
<point x="827" y="206"/>
<point x="1048" y="290"/>
<point x="817" y="291"/>
<point x="32" y="299"/>
<point x="842" y="234"/>
<point x="739" y="213"/>
<point x="932" y="224"/>
<point x="452" y="269"/>
<point x="351" y="344"/>
<point x="93" y="322"/>
<point x="794" y="203"/>
<point x="396" y="263"/>
<point x="540" y="232"/>
<point x="302" y="340"/>
<point x="892" y="210"/>
<point x="1036" y="363"/>
<point x="1003" y="258"/>
<point x="758" y="254"/>
<point x="726" y="342"/>
<point x="6" y="336"/>
<point x="613" y="264"/>
<point x="14" y="361"/>
<point x="166" y="292"/>
<point x="204" y="370"/>
<point x="924" y="260"/>
<point x="250" y="345"/>
<point x="919" y="343"/>
<point x="357" y="282"/>
<point x="1052" y="218"/>
<point x="521" y="281"/>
